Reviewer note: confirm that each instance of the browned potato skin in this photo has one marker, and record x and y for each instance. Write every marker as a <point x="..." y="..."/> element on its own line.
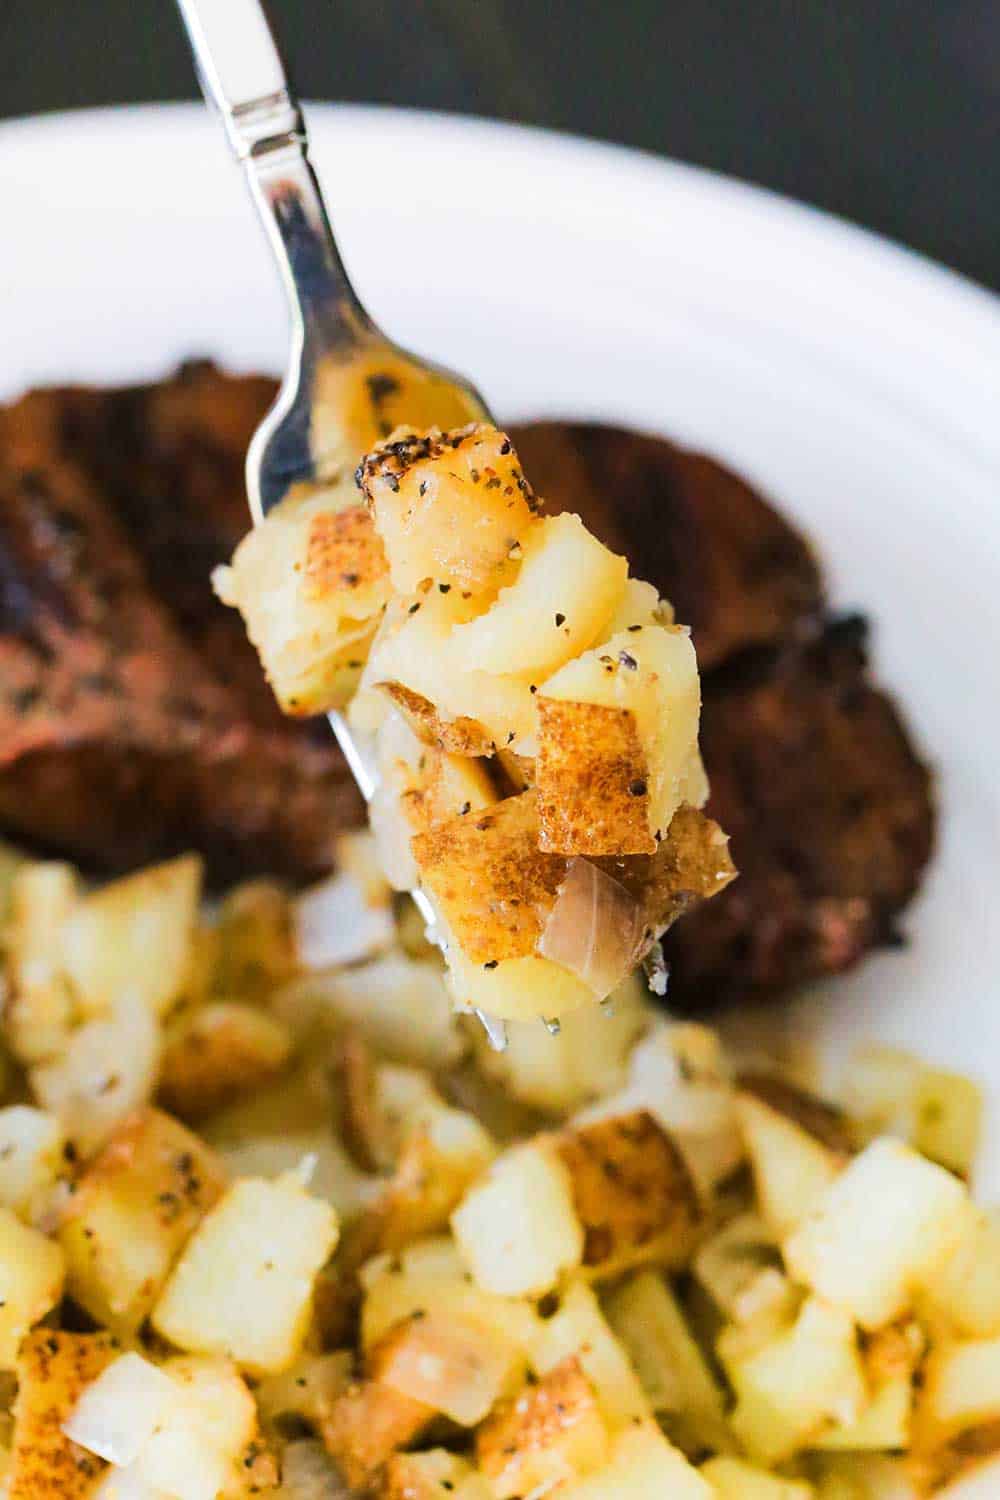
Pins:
<point x="52" y="1371"/>
<point x="213" y="1059"/>
<point x="461" y="736"/>
<point x="821" y="1119"/>
<point x="343" y="552"/>
<point x="518" y="1445"/>
<point x="691" y="864"/>
<point x="591" y="774"/>
<point x="367" y="1424"/>
<point x="632" y="1192"/>
<point x="492" y="882"/>
<point x="159" y="1176"/>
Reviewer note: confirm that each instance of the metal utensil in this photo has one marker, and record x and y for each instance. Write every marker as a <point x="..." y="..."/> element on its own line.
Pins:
<point x="307" y="435"/>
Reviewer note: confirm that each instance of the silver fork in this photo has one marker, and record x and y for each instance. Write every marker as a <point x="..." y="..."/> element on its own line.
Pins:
<point x="300" y="440"/>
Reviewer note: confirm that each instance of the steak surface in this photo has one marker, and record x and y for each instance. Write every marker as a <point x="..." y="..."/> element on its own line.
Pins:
<point x="135" y="722"/>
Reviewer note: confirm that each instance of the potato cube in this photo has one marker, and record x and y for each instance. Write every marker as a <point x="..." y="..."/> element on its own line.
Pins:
<point x="642" y="1464"/>
<point x="448" y="506"/>
<point x="551" y="1433"/>
<point x="883" y="1426"/>
<point x="793" y="1386"/>
<point x="632" y="1194"/>
<point x="108" y="1070"/>
<point x="579" y="1328"/>
<point x="32" y="1155"/>
<point x="646" y="1317"/>
<point x="217" y="1052"/>
<point x="310" y="583"/>
<point x="949" y="1115"/>
<point x="255" y="950"/>
<point x="963" y="1295"/>
<point x="367" y="1424"/>
<point x="732" y="1479"/>
<point x="791" y="1168"/>
<point x="32" y="1272"/>
<point x="520" y="989"/>
<point x="560" y="602"/>
<point x="53" y="1371"/>
<point x="455" y="1364"/>
<point x="119" y="1412"/>
<point x="883" y="1227"/>
<point x="131" y="1213"/>
<point x="39" y="1007"/>
<point x="259" y="1248"/>
<point x="517" y="1227"/>
<point x="640" y="605"/>
<point x="961" y="1389"/>
<point x="434" y="1475"/>
<point x="740" y="1268"/>
<point x="634" y="759"/>
<point x="131" y="941"/>
<point x="305" y="1390"/>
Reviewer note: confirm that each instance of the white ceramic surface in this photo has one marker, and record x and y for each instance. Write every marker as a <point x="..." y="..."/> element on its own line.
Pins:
<point x="857" y="383"/>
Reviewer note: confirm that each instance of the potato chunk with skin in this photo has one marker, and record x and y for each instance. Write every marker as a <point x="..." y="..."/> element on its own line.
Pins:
<point x="517" y="1228"/>
<point x="367" y="1424"/>
<point x="39" y="1006"/>
<point x="132" y="1212"/>
<point x="434" y="1475"/>
<point x="456" y="1365"/>
<point x="217" y="1053"/>
<point x="632" y="1193"/>
<point x="791" y="1169"/>
<point x="565" y="593"/>
<point x="642" y="1464"/>
<point x="448" y="506"/>
<point x="580" y="1328"/>
<point x="243" y="1285"/>
<point x="53" y="1370"/>
<point x="32" y="1271"/>
<point x="552" y="1432"/>
<point x="310" y="582"/>
<point x="644" y="750"/>
<point x="518" y="989"/>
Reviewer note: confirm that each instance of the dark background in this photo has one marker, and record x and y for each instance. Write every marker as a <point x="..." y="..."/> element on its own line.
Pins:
<point x="887" y="111"/>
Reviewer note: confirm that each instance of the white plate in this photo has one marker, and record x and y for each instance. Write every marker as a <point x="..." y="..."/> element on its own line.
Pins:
<point x="857" y="383"/>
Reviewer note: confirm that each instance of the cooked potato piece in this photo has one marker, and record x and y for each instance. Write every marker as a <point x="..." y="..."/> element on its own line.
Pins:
<point x="632" y="1194"/>
<point x="310" y="583"/>
<point x="367" y="1424"/>
<point x="39" y="1007"/>
<point x="489" y="879"/>
<point x="335" y="926"/>
<point x="825" y="1122"/>
<point x="455" y="1364"/>
<point x="32" y="1272"/>
<point x="434" y="1475"/>
<point x="881" y="1229"/>
<point x="213" y="1427"/>
<point x="53" y="1370"/>
<point x="642" y="1464"/>
<point x="305" y="1390"/>
<point x="551" y="1433"/>
<point x="131" y="1213"/>
<point x="448" y="506"/>
<point x="580" y="1328"/>
<point x="608" y="783"/>
<point x="740" y="1268"/>
<point x="519" y="989"/>
<point x="949" y="1116"/>
<point x="963" y="1295"/>
<point x="32" y="1156"/>
<point x="566" y="590"/>
<point x="961" y="1390"/>
<point x="646" y="1317"/>
<point x="517" y="1227"/>
<point x="108" y="1069"/>
<point x="259" y="1248"/>
<point x="218" y="1052"/>
<point x="791" y="1168"/>
<point x="131" y="942"/>
<point x="255" y="949"/>
<point x="795" y="1385"/>
<point x="640" y="605"/>
<point x="883" y="1426"/>
<point x="937" y="1111"/>
<point x="732" y="1479"/>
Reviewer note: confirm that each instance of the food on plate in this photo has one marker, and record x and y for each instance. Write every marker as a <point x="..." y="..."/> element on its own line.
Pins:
<point x="625" y="1260"/>
<point x="102" y="763"/>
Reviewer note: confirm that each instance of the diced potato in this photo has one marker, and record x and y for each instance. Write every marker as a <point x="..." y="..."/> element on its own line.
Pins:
<point x="825" y="1122"/>
<point x="939" y="1112"/>
<point x="39" y="1006"/>
<point x="448" y="506"/>
<point x="12" y="862"/>
<point x="357" y="857"/>
<point x="646" y="1317"/>
<point x="963" y="1295"/>
<point x="961" y="1389"/>
<point x="740" y="1268"/>
<point x="517" y="1228"/>
<point x="791" y="1168"/>
<point x="866" y="1476"/>
<point x="450" y="1362"/>
<point x="609" y="782"/>
<point x="130" y="943"/>
<point x="949" y="1115"/>
<point x="640" y="605"/>
<point x="310" y="583"/>
<point x="631" y="1192"/>
<point x="791" y="1388"/>
<point x="880" y="1088"/>
<point x="109" y="1069"/>
<point x="367" y="1424"/>
<point x="553" y="1432"/>
<point x="884" y="1226"/>
<point x="132" y="1212"/>
<point x="218" y="1052"/>
<point x="217" y="1410"/>
<point x="883" y="1426"/>
<point x="334" y="925"/>
<point x="119" y="1412"/>
<point x="256" y="951"/>
<point x="259" y="1248"/>
<point x="518" y="989"/>
<point x="434" y="1475"/>
<point x="32" y="1272"/>
<point x="579" y="1328"/>
<point x="32" y="1156"/>
<point x="561" y="601"/>
<point x="53" y="1370"/>
<point x="305" y="1390"/>
<point x="732" y="1479"/>
<point x="642" y="1464"/>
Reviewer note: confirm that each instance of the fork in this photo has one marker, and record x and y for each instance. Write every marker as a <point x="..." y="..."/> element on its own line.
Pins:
<point x="306" y="436"/>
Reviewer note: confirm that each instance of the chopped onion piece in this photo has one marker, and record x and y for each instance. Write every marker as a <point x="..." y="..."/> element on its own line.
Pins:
<point x="595" y="929"/>
<point x="118" y="1413"/>
<point x="308" y="1473"/>
<point x="335" y="926"/>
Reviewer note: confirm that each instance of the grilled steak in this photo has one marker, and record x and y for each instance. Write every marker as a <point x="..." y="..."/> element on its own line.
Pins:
<point x="134" y="720"/>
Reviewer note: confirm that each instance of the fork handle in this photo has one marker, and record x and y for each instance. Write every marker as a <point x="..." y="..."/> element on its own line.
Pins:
<point x="242" y="74"/>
